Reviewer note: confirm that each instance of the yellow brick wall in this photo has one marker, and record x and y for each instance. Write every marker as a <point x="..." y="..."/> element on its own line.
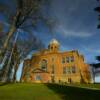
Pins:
<point x="82" y="71"/>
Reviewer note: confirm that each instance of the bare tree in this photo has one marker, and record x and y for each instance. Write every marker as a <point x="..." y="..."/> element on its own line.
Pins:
<point x="21" y="49"/>
<point x="27" y="13"/>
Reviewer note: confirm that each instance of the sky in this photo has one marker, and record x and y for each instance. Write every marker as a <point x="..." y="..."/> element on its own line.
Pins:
<point x="76" y="27"/>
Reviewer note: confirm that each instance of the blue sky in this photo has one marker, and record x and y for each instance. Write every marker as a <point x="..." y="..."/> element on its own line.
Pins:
<point x="76" y="27"/>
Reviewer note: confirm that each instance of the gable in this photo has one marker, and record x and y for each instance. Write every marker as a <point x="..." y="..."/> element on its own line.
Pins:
<point x="38" y="70"/>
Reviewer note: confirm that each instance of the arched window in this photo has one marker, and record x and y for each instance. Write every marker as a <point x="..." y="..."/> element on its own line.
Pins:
<point x="43" y="65"/>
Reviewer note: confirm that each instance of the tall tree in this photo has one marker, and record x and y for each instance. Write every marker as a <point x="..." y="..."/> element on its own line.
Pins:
<point x="26" y="13"/>
<point x="95" y="66"/>
<point x="97" y="9"/>
<point x="24" y="45"/>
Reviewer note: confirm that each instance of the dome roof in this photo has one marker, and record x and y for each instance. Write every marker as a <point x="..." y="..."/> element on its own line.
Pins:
<point x="54" y="41"/>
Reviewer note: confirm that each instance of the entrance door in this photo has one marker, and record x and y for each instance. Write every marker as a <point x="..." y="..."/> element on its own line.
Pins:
<point x="38" y="78"/>
<point x="52" y="79"/>
<point x="69" y="80"/>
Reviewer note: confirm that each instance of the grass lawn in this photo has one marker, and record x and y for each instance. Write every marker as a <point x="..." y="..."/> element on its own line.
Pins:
<point x="22" y="91"/>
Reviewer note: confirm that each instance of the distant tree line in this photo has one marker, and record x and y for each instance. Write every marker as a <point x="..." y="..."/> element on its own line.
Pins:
<point x="97" y="65"/>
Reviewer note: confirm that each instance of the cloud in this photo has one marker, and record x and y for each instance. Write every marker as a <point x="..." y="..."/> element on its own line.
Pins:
<point x="73" y="33"/>
<point x="76" y="34"/>
<point x="92" y="50"/>
<point x="76" y="18"/>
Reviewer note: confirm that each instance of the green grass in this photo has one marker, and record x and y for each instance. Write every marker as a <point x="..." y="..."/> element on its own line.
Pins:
<point x="23" y="91"/>
<point x="26" y="92"/>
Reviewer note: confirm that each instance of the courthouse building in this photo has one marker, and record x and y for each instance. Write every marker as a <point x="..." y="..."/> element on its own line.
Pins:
<point x="52" y="65"/>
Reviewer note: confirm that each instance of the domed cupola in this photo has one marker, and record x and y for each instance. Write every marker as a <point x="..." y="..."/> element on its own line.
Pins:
<point x="53" y="45"/>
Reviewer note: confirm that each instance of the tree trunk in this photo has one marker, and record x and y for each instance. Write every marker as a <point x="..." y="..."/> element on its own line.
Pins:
<point x="7" y="67"/>
<point x="6" y="42"/>
<point x="10" y="33"/>
<point x="15" y="71"/>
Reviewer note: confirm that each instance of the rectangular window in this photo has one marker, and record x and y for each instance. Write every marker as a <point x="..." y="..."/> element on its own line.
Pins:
<point x="73" y="69"/>
<point x="67" y="59"/>
<point x="43" y="65"/>
<point x="63" y="59"/>
<point x="68" y="70"/>
<point x="72" y="59"/>
<point x="64" y="70"/>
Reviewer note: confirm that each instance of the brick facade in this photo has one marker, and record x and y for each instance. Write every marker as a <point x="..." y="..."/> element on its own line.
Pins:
<point x="52" y="65"/>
